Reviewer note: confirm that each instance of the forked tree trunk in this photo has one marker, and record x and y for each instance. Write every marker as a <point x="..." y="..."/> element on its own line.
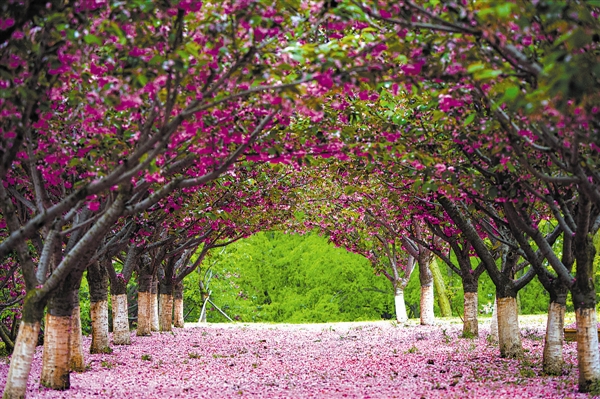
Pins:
<point x="121" y="334"/>
<point x="553" y="355"/>
<point x="178" y="306"/>
<point x="470" y="323"/>
<point x="588" y="359"/>
<point x="400" y="305"/>
<point x="99" y="317"/>
<point x="21" y="359"/>
<point x="77" y="360"/>
<point x="427" y="301"/>
<point x="55" y="360"/>
<point x="155" y="306"/>
<point x="509" y="335"/>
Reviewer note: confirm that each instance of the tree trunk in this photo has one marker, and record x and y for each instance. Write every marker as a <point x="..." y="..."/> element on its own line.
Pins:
<point x="427" y="297"/>
<point x="77" y="360"/>
<point x="144" y="319"/>
<point x="427" y="300"/>
<point x="165" y="311"/>
<point x="55" y="368"/>
<point x="121" y="335"/>
<point x="178" y="304"/>
<point x="470" y="323"/>
<point x="587" y="349"/>
<point x="99" y="317"/>
<point x="494" y="321"/>
<point x="144" y="325"/>
<point x="56" y="359"/>
<point x="440" y="289"/>
<point x="20" y="361"/>
<point x="97" y="277"/>
<point x="553" y="356"/>
<point x="509" y="335"/>
<point x="400" y="306"/>
<point x="155" y="306"/>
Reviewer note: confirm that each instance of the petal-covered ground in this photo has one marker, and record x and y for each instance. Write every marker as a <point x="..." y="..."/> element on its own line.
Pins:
<point x="370" y="360"/>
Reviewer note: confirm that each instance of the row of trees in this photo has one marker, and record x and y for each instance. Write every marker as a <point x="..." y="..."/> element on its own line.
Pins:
<point x="136" y="133"/>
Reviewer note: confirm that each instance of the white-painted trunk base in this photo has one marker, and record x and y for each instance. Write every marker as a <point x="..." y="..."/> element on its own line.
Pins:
<point x="99" y="316"/>
<point x="121" y="335"/>
<point x="165" y="312"/>
<point x="77" y="361"/>
<point x="470" y="323"/>
<point x="144" y="322"/>
<point x="55" y="360"/>
<point x="427" y="301"/>
<point x="588" y="358"/>
<point x="400" y="305"/>
<point x="155" y="312"/>
<point x="20" y="361"/>
<point x="509" y="334"/>
<point x="553" y="343"/>
<point x="178" y="313"/>
<point x="494" y="321"/>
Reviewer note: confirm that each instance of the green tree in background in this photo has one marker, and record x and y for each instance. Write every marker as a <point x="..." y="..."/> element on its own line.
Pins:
<point x="274" y="277"/>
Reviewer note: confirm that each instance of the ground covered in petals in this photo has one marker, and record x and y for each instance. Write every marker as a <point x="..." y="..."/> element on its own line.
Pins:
<point x="371" y="360"/>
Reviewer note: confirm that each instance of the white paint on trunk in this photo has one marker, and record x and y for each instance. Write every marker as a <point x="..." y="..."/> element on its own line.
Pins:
<point x="588" y="359"/>
<point x="144" y="314"/>
<point x="509" y="335"/>
<point x="553" y="344"/>
<point x="178" y="320"/>
<point x="494" y="322"/>
<point x="166" y="312"/>
<point x="427" y="300"/>
<point x="77" y="360"/>
<point x="121" y="334"/>
<point x="400" y="306"/>
<point x="20" y="361"/>
<point x="470" y="323"/>
<point x="155" y="312"/>
<point x="55" y="360"/>
<point x="99" y="316"/>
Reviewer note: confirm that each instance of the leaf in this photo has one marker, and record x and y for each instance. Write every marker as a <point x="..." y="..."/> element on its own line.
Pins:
<point x="92" y="39"/>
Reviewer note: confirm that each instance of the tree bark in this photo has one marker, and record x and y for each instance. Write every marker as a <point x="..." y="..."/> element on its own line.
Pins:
<point x="587" y="349"/>
<point x="99" y="317"/>
<point x="470" y="323"/>
<point x="144" y="326"/>
<point x="553" y="355"/>
<point x="97" y="277"/>
<point x="427" y="300"/>
<point x="155" y="313"/>
<point x="55" y="368"/>
<point x="494" y="321"/>
<point x="165" y="307"/>
<point x="77" y="359"/>
<point x="121" y="335"/>
<point x="21" y="359"/>
<point x="426" y="280"/>
<point x="509" y="335"/>
<point x="144" y="320"/>
<point x="400" y="305"/>
<point x="178" y="305"/>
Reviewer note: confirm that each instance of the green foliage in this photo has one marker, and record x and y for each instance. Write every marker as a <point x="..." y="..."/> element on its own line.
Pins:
<point x="84" y="306"/>
<point x="274" y="277"/>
